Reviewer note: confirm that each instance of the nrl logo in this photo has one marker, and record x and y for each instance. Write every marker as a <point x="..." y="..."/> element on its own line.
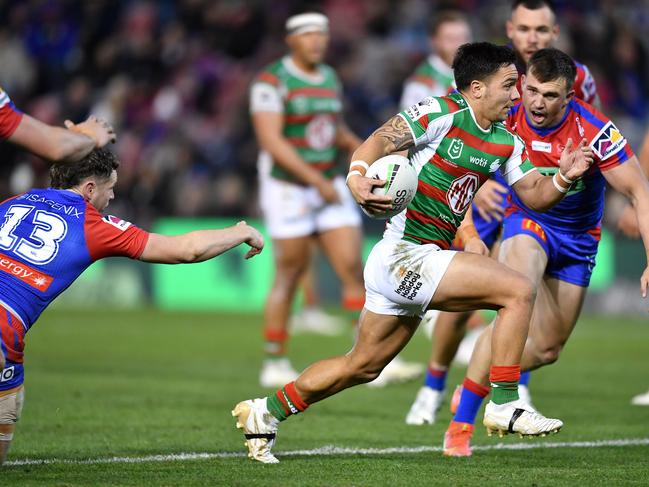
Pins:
<point x="455" y="149"/>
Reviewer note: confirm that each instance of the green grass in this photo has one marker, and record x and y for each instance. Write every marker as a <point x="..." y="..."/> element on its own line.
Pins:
<point x="117" y="383"/>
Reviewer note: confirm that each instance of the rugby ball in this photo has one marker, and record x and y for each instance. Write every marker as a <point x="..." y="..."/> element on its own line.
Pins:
<point x="401" y="183"/>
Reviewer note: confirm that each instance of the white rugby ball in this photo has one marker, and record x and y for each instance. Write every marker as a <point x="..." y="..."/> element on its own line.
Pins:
<point x="401" y="183"/>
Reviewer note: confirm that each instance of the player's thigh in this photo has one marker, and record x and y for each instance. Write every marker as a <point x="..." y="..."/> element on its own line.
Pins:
<point x="11" y="406"/>
<point x="292" y="255"/>
<point x="524" y="254"/>
<point x="474" y="281"/>
<point x="342" y="246"/>
<point x="381" y="337"/>
<point x="556" y="312"/>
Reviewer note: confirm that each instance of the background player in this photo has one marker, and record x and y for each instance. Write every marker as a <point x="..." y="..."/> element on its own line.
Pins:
<point x="296" y="113"/>
<point x="556" y="249"/>
<point x="411" y="269"/>
<point x="55" y="144"/>
<point x="50" y="236"/>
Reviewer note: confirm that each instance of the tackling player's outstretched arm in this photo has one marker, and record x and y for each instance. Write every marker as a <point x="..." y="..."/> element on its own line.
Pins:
<point x="628" y="179"/>
<point x="201" y="245"/>
<point x="392" y="137"/>
<point x="60" y="144"/>
<point x="540" y="193"/>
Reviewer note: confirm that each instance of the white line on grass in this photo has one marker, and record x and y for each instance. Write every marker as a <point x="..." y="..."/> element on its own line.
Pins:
<point x="329" y="451"/>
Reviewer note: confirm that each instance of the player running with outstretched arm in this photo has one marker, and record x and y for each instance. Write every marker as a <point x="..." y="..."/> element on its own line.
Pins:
<point x="556" y="250"/>
<point x="48" y="237"/>
<point x="455" y="142"/>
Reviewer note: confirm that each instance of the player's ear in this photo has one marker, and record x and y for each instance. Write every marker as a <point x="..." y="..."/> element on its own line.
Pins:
<point x="477" y="88"/>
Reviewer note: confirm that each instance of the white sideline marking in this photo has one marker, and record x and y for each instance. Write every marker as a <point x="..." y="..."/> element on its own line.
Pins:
<point x="328" y="451"/>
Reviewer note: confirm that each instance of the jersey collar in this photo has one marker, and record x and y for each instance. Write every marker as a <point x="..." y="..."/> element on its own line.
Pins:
<point x="475" y="122"/>
<point x="298" y="73"/>
<point x="440" y="66"/>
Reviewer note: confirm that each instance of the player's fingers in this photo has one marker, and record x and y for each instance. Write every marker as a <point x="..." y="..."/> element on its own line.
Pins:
<point x="568" y="145"/>
<point x="643" y="286"/>
<point x="379" y="183"/>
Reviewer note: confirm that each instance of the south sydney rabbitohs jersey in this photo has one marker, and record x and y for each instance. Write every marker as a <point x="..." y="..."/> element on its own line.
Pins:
<point x="582" y="208"/>
<point x="453" y="157"/>
<point x="311" y="105"/>
<point x="433" y="77"/>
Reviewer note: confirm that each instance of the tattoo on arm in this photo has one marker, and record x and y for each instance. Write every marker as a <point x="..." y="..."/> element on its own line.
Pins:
<point x="396" y="132"/>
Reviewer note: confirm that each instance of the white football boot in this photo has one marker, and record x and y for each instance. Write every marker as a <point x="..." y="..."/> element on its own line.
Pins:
<point x="277" y="373"/>
<point x="259" y="428"/>
<point x="518" y="417"/>
<point x="315" y="320"/>
<point x="641" y="399"/>
<point x="397" y="371"/>
<point x="525" y="396"/>
<point x="424" y="409"/>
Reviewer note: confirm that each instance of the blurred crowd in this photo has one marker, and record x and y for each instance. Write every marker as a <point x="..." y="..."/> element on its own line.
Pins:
<point x="173" y="77"/>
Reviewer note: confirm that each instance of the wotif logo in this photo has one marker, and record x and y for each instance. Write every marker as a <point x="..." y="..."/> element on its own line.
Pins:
<point x="455" y="149"/>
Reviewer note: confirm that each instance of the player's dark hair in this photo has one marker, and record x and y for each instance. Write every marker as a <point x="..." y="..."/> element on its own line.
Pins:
<point x="534" y="5"/>
<point x="550" y="64"/>
<point x="478" y="61"/>
<point x="446" y="16"/>
<point x="100" y="164"/>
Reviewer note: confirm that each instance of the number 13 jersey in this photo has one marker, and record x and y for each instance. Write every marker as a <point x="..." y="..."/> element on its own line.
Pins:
<point x="48" y="237"/>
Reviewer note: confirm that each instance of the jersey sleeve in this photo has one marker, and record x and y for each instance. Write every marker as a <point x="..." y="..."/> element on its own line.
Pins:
<point x="585" y="87"/>
<point x="428" y="120"/>
<point x="608" y="144"/>
<point x="265" y="94"/>
<point x="109" y="236"/>
<point x="10" y="116"/>
<point x="518" y="165"/>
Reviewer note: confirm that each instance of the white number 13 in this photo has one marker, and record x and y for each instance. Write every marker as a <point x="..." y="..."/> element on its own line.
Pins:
<point x="49" y="230"/>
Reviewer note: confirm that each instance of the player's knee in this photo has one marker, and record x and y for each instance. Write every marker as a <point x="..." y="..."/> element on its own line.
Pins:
<point x="365" y="369"/>
<point x="523" y="292"/>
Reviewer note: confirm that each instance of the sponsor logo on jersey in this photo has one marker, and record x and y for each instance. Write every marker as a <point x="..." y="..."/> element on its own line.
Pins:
<point x="67" y="209"/>
<point x="455" y="149"/>
<point x="410" y="284"/>
<point x="478" y="161"/>
<point x="460" y="193"/>
<point x="321" y="132"/>
<point x="26" y="274"/>
<point x="8" y="374"/>
<point x="608" y="142"/>
<point x="494" y="166"/>
<point x="117" y="222"/>
<point x="424" y="107"/>
<point x="539" y="146"/>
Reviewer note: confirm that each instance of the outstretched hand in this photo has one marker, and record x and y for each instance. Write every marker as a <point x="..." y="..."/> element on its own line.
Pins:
<point x="361" y="189"/>
<point x="254" y="239"/>
<point x="574" y="163"/>
<point x="490" y="199"/>
<point x="644" y="282"/>
<point x="97" y="129"/>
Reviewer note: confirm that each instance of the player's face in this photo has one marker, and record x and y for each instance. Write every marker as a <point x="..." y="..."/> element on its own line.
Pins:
<point x="103" y="192"/>
<point x="531" y="30"/>
<point x="545" y="103"/>
<point x="309" y="48"/>
<point x="500" y="93"/>
<point x="448" y="39"/>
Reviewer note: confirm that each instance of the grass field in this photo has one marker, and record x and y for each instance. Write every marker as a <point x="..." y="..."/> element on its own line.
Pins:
<point x="139" y="384"/>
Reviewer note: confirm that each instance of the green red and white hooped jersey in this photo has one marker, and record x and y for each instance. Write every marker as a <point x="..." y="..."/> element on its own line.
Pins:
<point x="433" y="77"/>
<point x="311" y="105"/>
<point x="453" y="157"/>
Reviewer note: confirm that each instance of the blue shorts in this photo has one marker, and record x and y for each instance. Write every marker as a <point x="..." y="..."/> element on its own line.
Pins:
<point x="571" y="256"/>
<point x="488" y="231"/>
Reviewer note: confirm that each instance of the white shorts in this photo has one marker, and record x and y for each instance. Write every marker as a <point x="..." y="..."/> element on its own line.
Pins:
<point x="402" y="277"/>
<point x="291" y="210"/>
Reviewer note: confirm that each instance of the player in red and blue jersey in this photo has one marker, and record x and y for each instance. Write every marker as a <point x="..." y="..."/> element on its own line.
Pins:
<point x="48" y="237"/>
<point x="56" y="144"/>
<point x="555" y="249"/>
